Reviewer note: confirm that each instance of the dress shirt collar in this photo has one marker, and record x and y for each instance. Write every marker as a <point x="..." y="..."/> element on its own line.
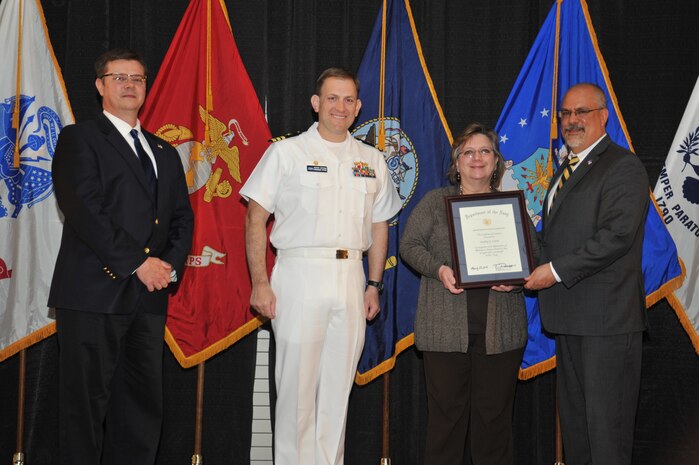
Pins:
<point x="581" y="156"/>
<point x="124" y="129"/>
<point x="122" y="126"/>
<point x="339" y="149"/>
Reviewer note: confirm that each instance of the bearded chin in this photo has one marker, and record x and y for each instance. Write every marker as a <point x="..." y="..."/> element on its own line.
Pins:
<point x="574" y="141"/>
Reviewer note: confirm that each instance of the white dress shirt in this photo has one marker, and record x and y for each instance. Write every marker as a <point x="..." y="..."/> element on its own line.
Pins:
<point x="581" y="156"/>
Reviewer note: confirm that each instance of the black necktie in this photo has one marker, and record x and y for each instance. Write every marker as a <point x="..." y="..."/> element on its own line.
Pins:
<point x="566" y="174"/>
<point x="146" y="164"/>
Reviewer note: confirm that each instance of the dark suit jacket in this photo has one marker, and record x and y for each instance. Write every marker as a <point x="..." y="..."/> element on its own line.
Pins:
<point x="593" y="235"/>
<point x="111" y="221"/>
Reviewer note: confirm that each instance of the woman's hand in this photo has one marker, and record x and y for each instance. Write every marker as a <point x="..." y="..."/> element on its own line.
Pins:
<point x="505" y="288"/>
<point x="446" y="275"/>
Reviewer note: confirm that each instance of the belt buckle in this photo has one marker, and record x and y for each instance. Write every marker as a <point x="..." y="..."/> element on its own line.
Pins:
<point x="341" y="254"/>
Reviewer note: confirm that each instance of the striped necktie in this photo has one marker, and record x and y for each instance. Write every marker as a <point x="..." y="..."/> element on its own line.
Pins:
<point x="572" y="161"/>
<point x="146" y="163"/>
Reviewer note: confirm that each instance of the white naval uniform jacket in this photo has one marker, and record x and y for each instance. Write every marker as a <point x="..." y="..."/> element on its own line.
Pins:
<point x="319" y="199"/>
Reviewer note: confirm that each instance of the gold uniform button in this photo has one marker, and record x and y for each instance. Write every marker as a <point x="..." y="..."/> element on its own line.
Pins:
<point x="147" y="250"/>
<point x="156" y="221"/>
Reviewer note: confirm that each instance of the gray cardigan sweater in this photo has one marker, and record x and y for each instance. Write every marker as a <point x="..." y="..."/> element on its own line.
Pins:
<point x="441" y="321"/>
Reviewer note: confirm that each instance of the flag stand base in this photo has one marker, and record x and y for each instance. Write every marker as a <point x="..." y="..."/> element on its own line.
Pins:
<point x="385" y="461"/>
<point x="18" y="459"/>
<point x="197" y="459"/>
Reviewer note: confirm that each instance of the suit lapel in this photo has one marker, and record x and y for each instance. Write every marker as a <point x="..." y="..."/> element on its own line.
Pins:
<point x="114" y="137"/>
<point x="159" y="152"/>
<point x="578" y="174"/>
<point x="554" y="181"/>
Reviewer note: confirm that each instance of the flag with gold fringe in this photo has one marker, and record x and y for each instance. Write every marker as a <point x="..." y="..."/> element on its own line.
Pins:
<point x="402" y="117"/>
<point x="34" y="108"/>
<point x="677" y="196"/>
<point x="565" y="53"/>
<point x="204" y="104"/>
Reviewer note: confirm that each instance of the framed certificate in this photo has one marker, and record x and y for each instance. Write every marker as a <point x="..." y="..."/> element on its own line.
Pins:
<point x="490" y="241"/>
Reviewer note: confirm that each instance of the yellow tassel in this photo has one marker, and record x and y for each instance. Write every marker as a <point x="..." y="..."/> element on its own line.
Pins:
<point x="382" y="136"/>
<point x="18" y="89"/>
<point x="15" y="126"/>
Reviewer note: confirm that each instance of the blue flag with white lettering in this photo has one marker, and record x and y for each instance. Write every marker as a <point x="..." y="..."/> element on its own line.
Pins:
<point x="531" y="143"/>
<point x="396" y="89"/>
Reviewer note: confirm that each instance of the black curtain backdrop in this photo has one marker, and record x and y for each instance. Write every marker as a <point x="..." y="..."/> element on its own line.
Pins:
<point x="474" y="51"/>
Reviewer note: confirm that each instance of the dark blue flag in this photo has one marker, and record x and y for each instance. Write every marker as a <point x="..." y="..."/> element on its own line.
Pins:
<point x="566" y="53"/>
<point x="396" y="90"/>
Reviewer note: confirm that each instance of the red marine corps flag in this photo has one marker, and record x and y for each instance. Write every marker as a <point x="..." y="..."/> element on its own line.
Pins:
<point x="203" y="103"/>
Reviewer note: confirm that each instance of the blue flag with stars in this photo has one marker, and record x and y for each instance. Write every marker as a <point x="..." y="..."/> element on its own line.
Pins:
<point x="396" y="89"/>
<point x="530" y="142"/>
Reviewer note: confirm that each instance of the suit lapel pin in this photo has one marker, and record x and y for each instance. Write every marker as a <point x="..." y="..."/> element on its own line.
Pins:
<point x="160" y="146"/>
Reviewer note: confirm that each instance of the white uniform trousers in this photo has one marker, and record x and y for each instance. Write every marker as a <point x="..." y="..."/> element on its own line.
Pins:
<point x="319" y="334"/>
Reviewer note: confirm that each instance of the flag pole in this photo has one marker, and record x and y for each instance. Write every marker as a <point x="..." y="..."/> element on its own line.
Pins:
<point x="386" y="420"/>
<point x="558" y="436"/>
<point x="198" y="458"/>
<point x="381" y="143"/>
<point x="18" y="457"/>
<point x="381" y="146"/>
<point x="558" y="440"/>
<point x="554" y="83"/>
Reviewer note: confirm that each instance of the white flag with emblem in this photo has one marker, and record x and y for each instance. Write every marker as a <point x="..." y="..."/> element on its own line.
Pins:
<point x="677" y="194"/>
<point x="34" y="108"/>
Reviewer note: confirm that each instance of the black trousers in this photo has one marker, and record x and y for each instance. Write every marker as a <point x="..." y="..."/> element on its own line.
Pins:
<point x="470" y="391"/>
<point x="598" y="381"/>
<point x="110" y="387"/>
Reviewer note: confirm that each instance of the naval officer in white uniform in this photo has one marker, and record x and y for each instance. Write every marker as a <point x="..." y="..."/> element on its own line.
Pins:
<point x="331" y="197"/>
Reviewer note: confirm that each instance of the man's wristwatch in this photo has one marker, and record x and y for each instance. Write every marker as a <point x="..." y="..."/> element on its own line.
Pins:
<point x="377" y="284"/>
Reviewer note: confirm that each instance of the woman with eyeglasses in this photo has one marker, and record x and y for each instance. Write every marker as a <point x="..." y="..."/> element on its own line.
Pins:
<point x="472" y="340"/>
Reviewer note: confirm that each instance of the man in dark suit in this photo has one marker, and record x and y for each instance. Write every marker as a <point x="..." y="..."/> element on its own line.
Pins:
<point x="591" y="283"/>
<point x="127" y="231"/>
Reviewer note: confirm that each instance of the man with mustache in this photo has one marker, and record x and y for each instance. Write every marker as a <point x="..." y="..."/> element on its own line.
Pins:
<point x="591" y="292"/>
<point x="331" y="197"/>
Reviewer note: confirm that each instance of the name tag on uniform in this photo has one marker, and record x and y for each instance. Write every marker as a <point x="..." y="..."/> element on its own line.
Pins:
<point x="363" y="170"/>
<point x="316" y="169"/>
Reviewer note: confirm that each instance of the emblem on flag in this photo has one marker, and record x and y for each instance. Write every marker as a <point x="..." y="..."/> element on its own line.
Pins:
<point x="671" y="207"/>
<point x="5" y="272"/>
<point x="198" y="157"/>
<point x="690" y="155"/>
<point x="532" y="176"/>
<point x="399" y="154"/>
<point x="30" y="182"/>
